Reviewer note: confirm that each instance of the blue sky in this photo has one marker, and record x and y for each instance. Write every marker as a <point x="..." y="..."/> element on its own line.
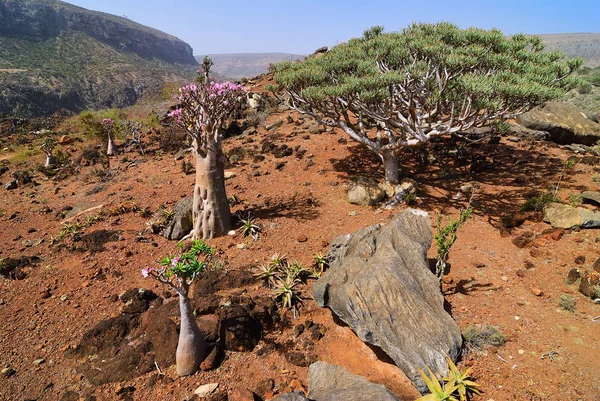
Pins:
<point x="301" y="26"/>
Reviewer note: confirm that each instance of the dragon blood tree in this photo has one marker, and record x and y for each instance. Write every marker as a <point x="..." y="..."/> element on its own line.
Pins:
<point x="204" y="108"/>
<point x="389" y="91"/>
<point x="108" y="125"/>
<point x="179" y="273"/>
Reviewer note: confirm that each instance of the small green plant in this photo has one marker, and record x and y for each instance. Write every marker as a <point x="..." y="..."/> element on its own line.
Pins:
<point x="438" y="391"/>
<point x="446" y="236"/>
<point x="537" y="203"/>
<point x="296" y="270"/>
<point x="464" y="386"/>
<point x="567" y="302"/>
<point x="409" y="198"/>
<point x="268" y="272"/>
<point x="321" y="262"/>
<point x="249" y="228"/>
<point x="285" y="290"/>
<point x="479" y="337"/>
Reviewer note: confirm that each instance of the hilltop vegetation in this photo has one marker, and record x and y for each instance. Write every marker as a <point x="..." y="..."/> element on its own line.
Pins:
<point x="247" y="65"/>
<point x="57" y="56"/>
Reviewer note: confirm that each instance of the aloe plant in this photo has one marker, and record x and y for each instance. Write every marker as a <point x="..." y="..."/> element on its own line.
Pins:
<point x="438" y="391"/>
<point x="463" y="385"/>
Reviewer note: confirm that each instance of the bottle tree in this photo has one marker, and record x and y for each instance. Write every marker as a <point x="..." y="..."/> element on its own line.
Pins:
<point x="388" y="91"/>
<point x="204" y="108"/>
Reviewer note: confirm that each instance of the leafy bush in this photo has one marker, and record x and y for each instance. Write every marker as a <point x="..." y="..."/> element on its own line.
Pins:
<point x="445" y="238"/>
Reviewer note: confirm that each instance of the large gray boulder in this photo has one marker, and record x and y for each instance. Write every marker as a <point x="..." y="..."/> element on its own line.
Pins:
<point x="182" y="223"/>
<point x="379" y="283"/>
<point x="565" y="123"/>
<point x="328" y="382"/>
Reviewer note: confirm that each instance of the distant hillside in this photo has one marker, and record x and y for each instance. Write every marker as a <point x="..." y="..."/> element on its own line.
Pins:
<point x="240" y="65"/>
<point x="584" y="45"/>
<point x="55" y="55"/>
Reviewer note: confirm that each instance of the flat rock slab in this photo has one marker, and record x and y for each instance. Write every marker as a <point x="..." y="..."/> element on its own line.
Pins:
<point x="328" y="382"/>
<point x="565" y="216"/>
<point x="379" y="283"/>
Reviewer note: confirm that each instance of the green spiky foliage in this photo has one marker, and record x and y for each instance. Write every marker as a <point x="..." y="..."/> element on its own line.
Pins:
<point x="392" y="90"/>
<point x="464" y="386"/>
<point x="437" y="390"/>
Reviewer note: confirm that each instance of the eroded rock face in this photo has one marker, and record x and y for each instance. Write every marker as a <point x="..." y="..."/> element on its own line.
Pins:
<point x="565" y="123"/>
<point x="380" y="285"/>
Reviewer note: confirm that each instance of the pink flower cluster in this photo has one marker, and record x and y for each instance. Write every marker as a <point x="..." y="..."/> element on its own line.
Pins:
<point x="146" y="272"/>
<point x="220" y="88"/>
<point x="107" y="121"/>
<point x="175" y="113"/>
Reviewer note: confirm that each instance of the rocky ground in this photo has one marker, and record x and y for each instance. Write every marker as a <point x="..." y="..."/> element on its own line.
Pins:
<point x="76" y="326"/>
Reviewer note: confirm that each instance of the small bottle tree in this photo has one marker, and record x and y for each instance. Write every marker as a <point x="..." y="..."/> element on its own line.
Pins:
<point x="179" y="273"/>
<point x="48" y="148"/>
<point x="204" y="108"/>
<point x="111" y="148"/>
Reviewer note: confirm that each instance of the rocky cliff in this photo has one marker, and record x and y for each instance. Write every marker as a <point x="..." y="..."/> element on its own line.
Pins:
<point x="55" y="55"/>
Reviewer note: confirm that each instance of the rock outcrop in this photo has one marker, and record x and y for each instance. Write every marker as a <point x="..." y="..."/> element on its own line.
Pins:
<point x="59" y="56"/>
<point x="379" y="283"/>
<point x="182" y="223"/>
<point x="565" y="123"/>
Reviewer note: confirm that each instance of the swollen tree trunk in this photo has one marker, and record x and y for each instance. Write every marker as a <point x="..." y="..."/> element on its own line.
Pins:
<point x="191" y="348"/>
<point x="390" y="163"/>
<point x="111" y="149"/>
<point x="210" y="211"/>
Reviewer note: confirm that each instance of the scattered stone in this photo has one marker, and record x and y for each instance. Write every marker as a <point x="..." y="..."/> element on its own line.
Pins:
<point x="353" y="213"/>
<point x="8" y="372"/>
<point x="182" y="223"/>
<point x="302" y="238"/>
<point x="39" y="361"/>
<point x="124" y="390"/>
<point x="365" y="191"/>
<point x="241" y="246"/>
<point x="591" y="197"/>
<point x="537" y="292"/>
<point x="590" y="284"/>
<point x="330" y="383"/>
<point x="264" y="387"/>
<point x="297" y="396"/>
<point x="579" y="260"/>
<point x="387" y="265"/>
<point x="274" y="125"/>
<point x="573" y="275"/>
<point x="565" y="123"/>
<point x="521" y="241"/>
<point x="213" y="360"/>
<point x="565" y="216"/>
<point x="521" y="352"/>
<point x="596" y="265"/>
<point x="206" y="389"/>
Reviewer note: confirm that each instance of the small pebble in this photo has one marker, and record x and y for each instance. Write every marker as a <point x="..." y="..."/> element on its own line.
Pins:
<point x="521" y="352"/>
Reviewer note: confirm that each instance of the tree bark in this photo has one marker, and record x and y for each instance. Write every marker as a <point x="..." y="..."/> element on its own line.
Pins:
<point x="111" y="149"/>
<point x="210" y="211"/>
<point x="391" y="165"/>
<point x="191" y="348"/>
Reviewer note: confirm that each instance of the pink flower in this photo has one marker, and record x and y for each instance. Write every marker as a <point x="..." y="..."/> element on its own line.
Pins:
<point x="107" y="121"/>
<point x="175" y="260"/>
<point x="146" y="272"/>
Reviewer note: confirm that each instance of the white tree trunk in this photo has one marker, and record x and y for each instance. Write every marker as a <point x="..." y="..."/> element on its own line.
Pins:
<point x="111" y="149"/>
<point x="191" y="348"/>
<point x="50" y="161"/>
<point x="211" y="213"/>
